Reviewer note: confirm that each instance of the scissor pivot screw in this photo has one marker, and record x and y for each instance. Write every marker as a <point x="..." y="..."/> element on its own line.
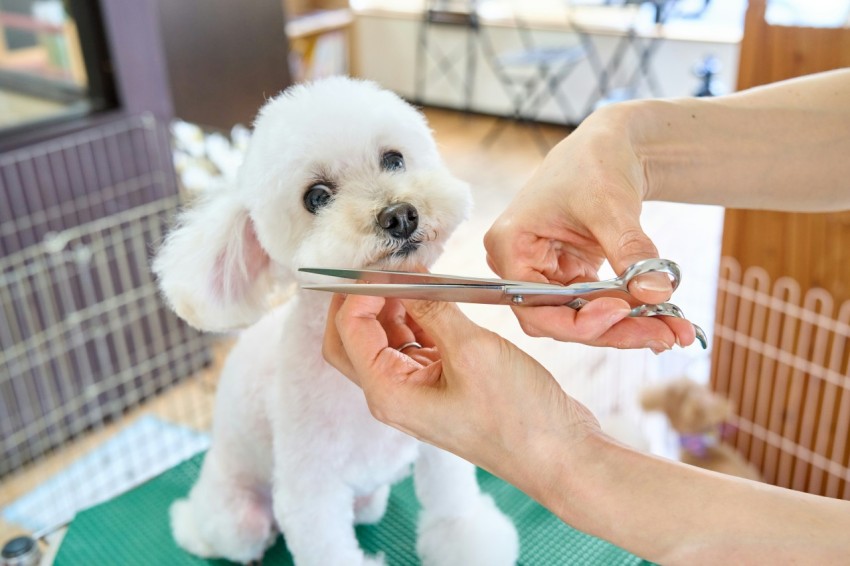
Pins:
<point x="517" y="299"/>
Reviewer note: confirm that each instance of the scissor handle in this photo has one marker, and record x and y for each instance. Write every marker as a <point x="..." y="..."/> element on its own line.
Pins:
<point x="653" y="265"/>
<point x="588" y="290"/>
<point x="669" y="309"/>
<point x="661" y="309"/>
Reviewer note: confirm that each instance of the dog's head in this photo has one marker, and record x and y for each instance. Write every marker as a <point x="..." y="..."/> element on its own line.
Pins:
<point x="691" y="408"/>
<point x="338" y="173"/>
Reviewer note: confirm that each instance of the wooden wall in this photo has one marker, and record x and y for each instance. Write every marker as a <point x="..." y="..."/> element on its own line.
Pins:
<point x="813" y="249"/>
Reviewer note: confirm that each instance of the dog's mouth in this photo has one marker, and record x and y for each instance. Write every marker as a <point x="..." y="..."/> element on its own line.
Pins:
<point x="405" y="249"/>
<point x="397" y="253"/>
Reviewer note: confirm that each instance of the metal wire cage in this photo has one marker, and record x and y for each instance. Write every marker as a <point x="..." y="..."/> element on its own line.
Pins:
<point x="101" y="386"/>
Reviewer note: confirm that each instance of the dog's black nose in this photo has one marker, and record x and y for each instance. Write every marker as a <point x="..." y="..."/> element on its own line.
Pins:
<point x="399" y="220"/>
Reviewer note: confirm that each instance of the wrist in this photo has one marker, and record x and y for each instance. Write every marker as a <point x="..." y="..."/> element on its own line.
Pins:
<point x="550" y="462"/>
<point x="591" y="483"/>
<point x="622" y="130"/>
<point x="568" y="484"/>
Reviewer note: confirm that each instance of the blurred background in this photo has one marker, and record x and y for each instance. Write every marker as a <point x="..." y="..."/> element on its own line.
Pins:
<point x="113" y="113"/>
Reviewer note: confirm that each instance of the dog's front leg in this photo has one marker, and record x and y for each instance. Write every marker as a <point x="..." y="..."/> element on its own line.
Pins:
<point x="315" y="513"/>
<point x="459" y="525"/>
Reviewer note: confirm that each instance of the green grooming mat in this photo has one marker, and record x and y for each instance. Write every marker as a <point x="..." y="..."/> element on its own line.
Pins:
<point x="133" y="529"/>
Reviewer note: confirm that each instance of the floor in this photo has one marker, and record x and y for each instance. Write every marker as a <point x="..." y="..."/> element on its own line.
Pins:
<point x="606" y="380"/>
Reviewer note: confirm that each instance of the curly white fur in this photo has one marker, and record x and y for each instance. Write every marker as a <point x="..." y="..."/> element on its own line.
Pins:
<point x="294" y="445"/>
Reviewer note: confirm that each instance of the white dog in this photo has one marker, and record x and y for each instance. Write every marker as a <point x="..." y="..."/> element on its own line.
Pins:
<point x="338" y="174"/>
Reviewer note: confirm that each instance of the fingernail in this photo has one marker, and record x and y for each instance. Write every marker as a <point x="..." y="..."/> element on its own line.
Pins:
<point x="657" y="346"/>
<point x="653" y="284"/>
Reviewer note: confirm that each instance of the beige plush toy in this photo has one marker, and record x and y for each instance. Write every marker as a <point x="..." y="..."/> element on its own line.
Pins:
<point x="699" y="415"/>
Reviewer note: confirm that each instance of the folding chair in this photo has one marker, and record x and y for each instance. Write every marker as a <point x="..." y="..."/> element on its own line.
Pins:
<point x="644" y="49"/>
<point x="532" y="75"/>
<point x="461" y="14"/>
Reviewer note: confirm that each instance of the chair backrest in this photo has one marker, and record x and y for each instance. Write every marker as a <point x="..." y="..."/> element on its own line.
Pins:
<point x="452" y="12"/>
<point x="523" y="17"/>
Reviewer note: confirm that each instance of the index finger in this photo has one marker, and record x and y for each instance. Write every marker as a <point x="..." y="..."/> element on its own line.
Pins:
<point x="333" y="350"/>
<point x="366" y="342"/>
<point x="605" y="322"/>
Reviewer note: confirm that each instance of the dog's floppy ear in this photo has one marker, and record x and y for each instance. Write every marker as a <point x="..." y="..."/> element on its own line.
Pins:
<point x="718" y="408"/>
<point x="212" y="269"/>
<point x="653" y="398"/>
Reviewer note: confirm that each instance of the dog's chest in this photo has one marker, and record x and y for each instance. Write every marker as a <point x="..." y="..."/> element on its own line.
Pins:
<point x="337" y="424"/>
<point x="384" y="458"/>
<point x="318" y="414"/>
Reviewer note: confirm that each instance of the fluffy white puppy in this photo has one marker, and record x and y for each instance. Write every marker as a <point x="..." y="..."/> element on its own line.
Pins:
<point x="339" y="173"/>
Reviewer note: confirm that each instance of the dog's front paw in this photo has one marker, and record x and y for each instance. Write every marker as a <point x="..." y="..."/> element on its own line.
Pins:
<point x="480" y="535"/>
<point x="185" y="531"/>
<point x="370" y="509"/>
<point x="242" y="539"/>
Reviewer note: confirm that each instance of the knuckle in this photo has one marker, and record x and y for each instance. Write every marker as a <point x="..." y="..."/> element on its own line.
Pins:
<point x="331" y="352"/>
<point x="496" y="232"/>
<point x="496" y="242"/>
<point x="633" y="242"/>
<point x="491" y="263"/>
<point x="491" y="238"/>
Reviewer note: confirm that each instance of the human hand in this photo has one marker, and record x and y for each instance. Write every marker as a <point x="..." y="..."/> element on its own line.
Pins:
<point x="581" y="207"/>
<point x="468" y="390"/>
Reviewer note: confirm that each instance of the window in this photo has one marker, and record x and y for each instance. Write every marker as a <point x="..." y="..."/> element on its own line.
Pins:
<point x="52" y="55"/>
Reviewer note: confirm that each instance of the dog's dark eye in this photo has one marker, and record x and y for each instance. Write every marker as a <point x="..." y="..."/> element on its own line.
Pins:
<point x="392" y="161"/>
<point x="316" y="197"/>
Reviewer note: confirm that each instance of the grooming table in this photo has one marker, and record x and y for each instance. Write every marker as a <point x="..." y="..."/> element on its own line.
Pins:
<point x="133" y="529"/>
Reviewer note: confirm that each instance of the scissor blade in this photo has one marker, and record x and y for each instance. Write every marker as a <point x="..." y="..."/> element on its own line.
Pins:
<point x="488" y="295"/>
<point x="401" y="277"/>
<point x="481" y="294"/>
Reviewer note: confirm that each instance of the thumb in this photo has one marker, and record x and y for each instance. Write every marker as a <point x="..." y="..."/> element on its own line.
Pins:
<point x="442" y="321"/>
<point x="625" y="243"/>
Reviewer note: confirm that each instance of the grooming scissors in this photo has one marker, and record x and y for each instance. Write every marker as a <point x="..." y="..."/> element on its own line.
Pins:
<point x="435" y="287"/>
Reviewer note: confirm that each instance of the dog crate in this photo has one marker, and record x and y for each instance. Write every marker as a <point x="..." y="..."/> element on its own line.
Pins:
<point x="101" y="386"/>
<point x="783" y="356"/>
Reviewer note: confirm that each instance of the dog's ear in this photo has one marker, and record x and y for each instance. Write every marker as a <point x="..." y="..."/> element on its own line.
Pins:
<point x="653" y="398"/>
<point x="212" y="269"/>
<point x="719" y="408"/>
